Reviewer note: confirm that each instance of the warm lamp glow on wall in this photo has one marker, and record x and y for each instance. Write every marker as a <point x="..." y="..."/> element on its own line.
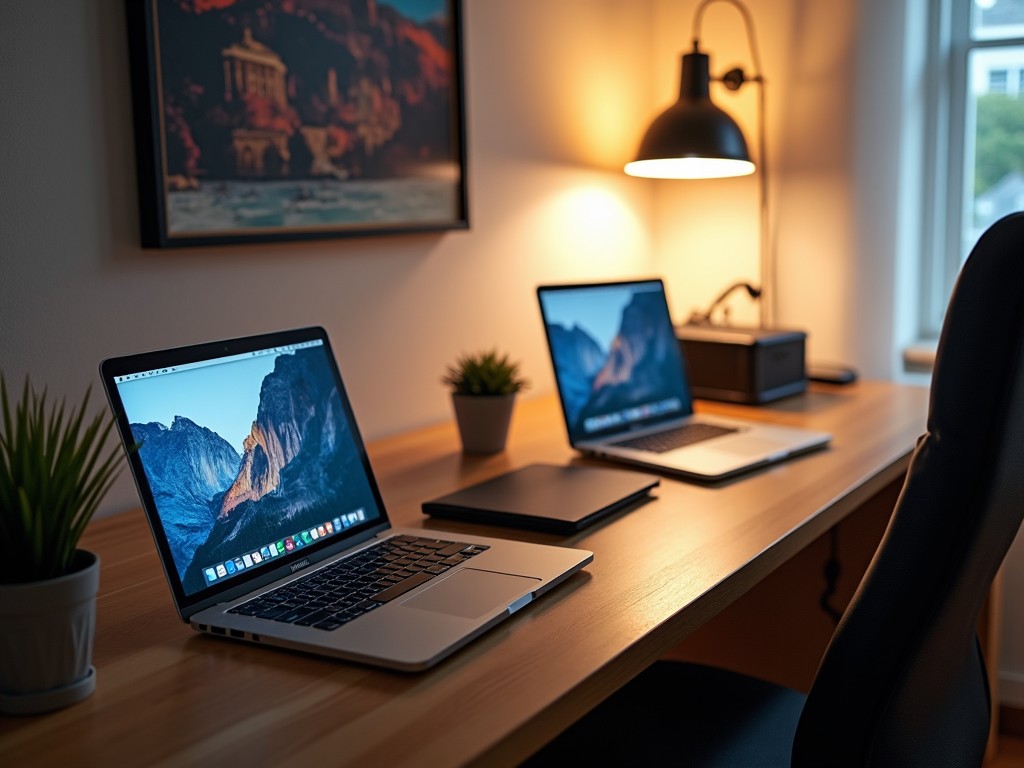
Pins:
<point x="694" y="139"/>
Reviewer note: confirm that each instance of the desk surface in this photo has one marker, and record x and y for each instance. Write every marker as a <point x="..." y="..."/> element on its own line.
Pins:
<point x="166" y="694"/>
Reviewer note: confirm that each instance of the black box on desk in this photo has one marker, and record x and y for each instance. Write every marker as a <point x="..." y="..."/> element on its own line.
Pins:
<point x="743" y="365"/>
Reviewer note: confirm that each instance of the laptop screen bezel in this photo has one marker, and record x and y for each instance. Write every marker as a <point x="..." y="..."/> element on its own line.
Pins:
<point x="299" y="559"/>
<point x="685" y="392"/>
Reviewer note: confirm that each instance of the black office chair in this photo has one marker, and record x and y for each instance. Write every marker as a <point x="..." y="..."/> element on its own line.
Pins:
<point x="903" y="681"/>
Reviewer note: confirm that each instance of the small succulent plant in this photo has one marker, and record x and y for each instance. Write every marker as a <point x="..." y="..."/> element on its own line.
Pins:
<point x="484" y="373"/>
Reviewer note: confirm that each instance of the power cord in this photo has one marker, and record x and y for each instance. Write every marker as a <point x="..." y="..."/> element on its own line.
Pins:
<point x="831" y="571"/>
<point x="704" y="318"/>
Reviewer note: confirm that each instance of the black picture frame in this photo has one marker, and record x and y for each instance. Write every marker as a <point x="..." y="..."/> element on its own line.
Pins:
<point x="275" y="120"/>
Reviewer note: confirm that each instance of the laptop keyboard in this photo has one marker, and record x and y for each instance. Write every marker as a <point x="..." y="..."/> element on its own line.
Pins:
<point x="333" y="596"/>
<point x="659" y="442"/>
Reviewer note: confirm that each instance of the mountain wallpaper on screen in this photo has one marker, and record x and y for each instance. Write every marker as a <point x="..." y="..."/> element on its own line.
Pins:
<point x="187" y="465"/>
<point x="297" y="469"/>
<point x="640" y="365"/>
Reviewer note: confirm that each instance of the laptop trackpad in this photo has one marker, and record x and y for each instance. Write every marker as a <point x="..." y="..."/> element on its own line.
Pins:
<point x="470" y="593"/>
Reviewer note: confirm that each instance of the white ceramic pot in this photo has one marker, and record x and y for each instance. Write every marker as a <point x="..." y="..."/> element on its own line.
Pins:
<point x="46" y="637"/>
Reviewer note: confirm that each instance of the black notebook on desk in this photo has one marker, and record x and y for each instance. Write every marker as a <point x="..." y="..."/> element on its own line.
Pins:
<point x="545" y="497"/>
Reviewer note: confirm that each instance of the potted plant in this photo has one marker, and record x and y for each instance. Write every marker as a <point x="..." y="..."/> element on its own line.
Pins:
<point x="483" y="387"/>
<point x="53" y="473"/>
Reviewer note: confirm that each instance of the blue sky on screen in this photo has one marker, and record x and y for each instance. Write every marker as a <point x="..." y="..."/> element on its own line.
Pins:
<point x="418" y="10"/>
<point x="222" y="397"/>
<point x="597" y="310"/>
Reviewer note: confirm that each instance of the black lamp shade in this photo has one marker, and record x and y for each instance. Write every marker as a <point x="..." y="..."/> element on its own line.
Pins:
<point x="693" y="138"/>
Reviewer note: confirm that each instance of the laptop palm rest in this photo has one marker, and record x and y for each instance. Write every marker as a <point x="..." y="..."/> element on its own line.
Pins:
<point x="472" y="593"/>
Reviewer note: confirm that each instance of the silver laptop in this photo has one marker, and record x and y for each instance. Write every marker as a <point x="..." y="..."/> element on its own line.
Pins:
<point x="269" y="522"/>
<point x="625" y="392"/>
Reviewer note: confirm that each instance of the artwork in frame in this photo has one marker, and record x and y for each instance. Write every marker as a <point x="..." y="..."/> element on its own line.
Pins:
<point x="270" y="120"/>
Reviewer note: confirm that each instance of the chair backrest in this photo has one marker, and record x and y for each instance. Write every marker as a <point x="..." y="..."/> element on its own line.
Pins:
<point x="903" y="681"/>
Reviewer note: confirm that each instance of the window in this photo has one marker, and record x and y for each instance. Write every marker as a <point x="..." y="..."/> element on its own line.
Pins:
<point x="976" y="139"/>
<point x="997" y="80"/>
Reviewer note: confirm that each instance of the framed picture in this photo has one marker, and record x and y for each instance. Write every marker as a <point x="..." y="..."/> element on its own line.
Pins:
<point x="269" y="120"/>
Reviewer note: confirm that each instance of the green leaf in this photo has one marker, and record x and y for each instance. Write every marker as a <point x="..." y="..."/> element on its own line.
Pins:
<point x="484" y="373"/>
<point x="55" y="470"/>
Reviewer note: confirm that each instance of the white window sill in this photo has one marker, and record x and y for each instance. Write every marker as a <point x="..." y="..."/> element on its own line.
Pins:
<point x="920" y="357"/>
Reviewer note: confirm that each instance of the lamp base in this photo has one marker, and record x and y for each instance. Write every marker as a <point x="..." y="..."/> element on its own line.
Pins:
<point x="743" y="365"/>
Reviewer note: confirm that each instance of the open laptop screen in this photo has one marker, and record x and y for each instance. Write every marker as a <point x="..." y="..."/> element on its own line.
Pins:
<point x="249" y="454"/>
<point x="615" y="355"/>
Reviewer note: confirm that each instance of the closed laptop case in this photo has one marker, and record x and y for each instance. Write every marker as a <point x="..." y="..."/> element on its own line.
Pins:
<point x="545" y="497"/>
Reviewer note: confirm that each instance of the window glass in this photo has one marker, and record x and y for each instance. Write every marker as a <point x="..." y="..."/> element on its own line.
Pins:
<point x="976" y="139"/>
<point x="994" y="19"/>
<point x="995" y="180"/>
<point x="997" y="81"/>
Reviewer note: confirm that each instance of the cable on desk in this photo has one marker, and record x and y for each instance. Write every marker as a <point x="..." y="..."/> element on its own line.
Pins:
<point x="831" y="572"/>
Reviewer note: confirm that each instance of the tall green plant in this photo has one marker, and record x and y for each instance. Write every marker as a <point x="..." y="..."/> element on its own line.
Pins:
<point x="53" y="474"/>
<point x="484" y="373"/>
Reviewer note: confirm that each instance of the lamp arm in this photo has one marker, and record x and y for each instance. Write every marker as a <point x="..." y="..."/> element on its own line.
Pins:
<point x="748" y="24"/>
<point x="733" y="80"/>
<point x="769" y="286"/>
<point x="704" y="318"/>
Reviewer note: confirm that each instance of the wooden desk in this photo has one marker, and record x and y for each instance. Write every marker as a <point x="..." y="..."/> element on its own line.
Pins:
<point x="167" y="695"/>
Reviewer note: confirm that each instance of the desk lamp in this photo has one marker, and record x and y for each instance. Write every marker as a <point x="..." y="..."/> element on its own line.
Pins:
<point x="694" y="139"/>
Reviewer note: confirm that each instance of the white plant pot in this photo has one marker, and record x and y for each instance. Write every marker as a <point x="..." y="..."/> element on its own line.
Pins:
<point x="46" y="637"/>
